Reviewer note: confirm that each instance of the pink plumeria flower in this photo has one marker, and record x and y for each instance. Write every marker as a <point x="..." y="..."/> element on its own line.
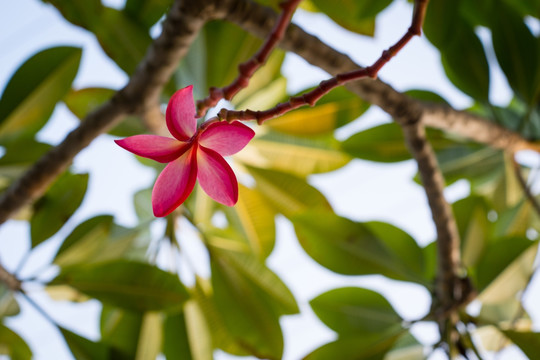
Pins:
<point x="192" y="154"/>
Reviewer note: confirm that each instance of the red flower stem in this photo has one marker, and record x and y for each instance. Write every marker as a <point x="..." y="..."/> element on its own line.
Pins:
<point x="248" y="68"/>
<point x="311" y="97"/>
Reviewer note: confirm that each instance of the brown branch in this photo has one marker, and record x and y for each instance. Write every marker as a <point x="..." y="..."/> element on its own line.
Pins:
<point x="143" y="89"/>
<point x="311" y="97"/>
<point x="8" y="279"/>
<point x="451" y="291"/>
<point x="258" y="20"/>
<point x="248" y="68"/>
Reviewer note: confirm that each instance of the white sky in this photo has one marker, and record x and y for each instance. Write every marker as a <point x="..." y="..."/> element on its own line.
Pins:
<point x="360" y="191"/>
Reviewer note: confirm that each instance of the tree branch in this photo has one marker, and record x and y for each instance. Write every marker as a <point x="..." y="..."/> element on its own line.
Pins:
<point x="311" y="97"/>
<point x="180" y="27"/>
<point x="259" y="20"/>
<point x="450" y="291"/>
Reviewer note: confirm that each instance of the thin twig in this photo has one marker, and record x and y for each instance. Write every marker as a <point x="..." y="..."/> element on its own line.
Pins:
<point x="248" y="68"/>
<point x="526" y="188"/>
<point x="311" y="97"/>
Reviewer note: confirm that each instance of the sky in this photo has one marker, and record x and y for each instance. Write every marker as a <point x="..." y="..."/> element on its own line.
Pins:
<point x="361" y="190"/>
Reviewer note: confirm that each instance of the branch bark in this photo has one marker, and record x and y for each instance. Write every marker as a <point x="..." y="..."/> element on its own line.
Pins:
<point x="142" y="91"/>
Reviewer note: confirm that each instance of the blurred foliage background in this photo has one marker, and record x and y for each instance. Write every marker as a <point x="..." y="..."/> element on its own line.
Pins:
<point x="149" y="312"/>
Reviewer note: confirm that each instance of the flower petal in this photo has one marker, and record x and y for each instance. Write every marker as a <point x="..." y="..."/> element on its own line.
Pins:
<point x="216" y="177"/>
<point x="174" y="184"/>
<point x="226" y="138"/>
<point x="158" y="148"/>
<point x="180" y="114"/>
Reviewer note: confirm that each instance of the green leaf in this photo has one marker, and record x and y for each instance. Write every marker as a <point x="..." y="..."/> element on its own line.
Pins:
<point x="505" y="269"/>
<point x="353" y="15"/>
<point x="254" y="219"/>
<point x="385" y="143"/>
<point x="84" y="349"/>
<point x="123" y="39"/>
<point x="335" y="109"/>
<point x="528" y="342"/>
<point x="175" y="337"/>
<point x="199" y="334"/>
<point x="221" y="337"/>
<point x="142" y="201"/>
<point x="462" y="54"/>
<point x="352" y="310"/>
<point x="471" y="215"/>
<point x="55" y="208"/>
<point x="502" y="313"/>
<point x="34" y="90"/>
<point x="476" y="12"/>
<point x="81" y="239"/>
<point x="252" y="269"/>
<point x="516" y="220"/>
<point x="266" y="87"/>
<point x="126" y="284"/>
<point x="465" y="62"/>
<point x="150" y="338"/>
<point x="288" y="193"/>
<point x="426" y="95"/>
<point x="300" y="156"/>
<point x="491" y="338"/>
<point x="223" y="55"/>
<point x="246" y="310"/>
<point x="13" y="345"/>
<point x="478" y="164"/>
<point x="82" y="102"/>
<point x="351" y="248"/>
<point x="82" y="13"/>
<point x="120" y="330"/>
<point x="517" y="51"/>
<point x="525" y="7"/>
<point x="8" y="304"/>
<point x="406" y="348"/>
<point x="19" y="155"/>
<point x="440" y="21"/>
<point x="400" y="244"/>
<point x="96" y="240"/>
<point x="147" y="12"/>
<point x="430" y="260"/>
<point x="353" y="347"/>
<point x="192" y="69"/>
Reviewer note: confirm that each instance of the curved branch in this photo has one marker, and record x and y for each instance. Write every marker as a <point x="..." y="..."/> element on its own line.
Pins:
<point x="258" y="20"/>
<point x="142" y="91"/>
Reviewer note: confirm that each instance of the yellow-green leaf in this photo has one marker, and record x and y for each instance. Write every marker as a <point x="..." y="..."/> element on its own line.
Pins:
<point x="34" y="90"/>
<point x="295" y="155"/>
